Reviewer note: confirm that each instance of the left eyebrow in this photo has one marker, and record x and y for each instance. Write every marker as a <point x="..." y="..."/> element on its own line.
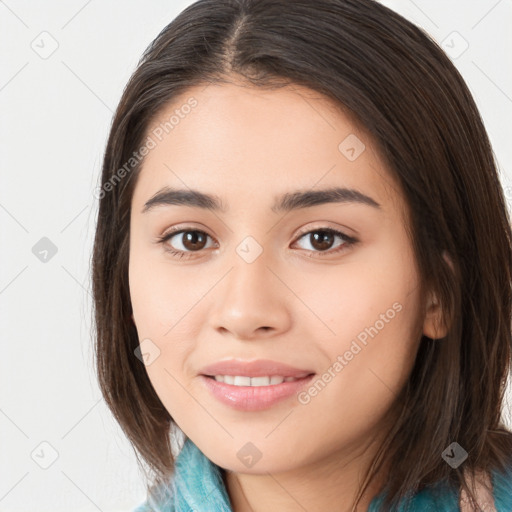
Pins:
<point x="287" y="202"/>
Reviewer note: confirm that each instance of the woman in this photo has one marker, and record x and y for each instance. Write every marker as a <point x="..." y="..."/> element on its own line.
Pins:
<point x="333" y="332"/>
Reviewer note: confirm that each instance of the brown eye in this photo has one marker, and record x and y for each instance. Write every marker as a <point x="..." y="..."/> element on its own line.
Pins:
<point x="193" y="240"/>
<point x="323" y="239"/>
<point x="185" y="241"/>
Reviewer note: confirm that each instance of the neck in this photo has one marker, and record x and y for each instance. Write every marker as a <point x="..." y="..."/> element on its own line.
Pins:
<point x="330" y="484"/>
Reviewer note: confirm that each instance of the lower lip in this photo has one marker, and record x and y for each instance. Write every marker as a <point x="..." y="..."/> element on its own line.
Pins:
<point x="254" y="398"/>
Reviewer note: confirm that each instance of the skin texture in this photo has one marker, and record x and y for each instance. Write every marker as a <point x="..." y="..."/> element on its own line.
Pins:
<point x="247" y="145"/>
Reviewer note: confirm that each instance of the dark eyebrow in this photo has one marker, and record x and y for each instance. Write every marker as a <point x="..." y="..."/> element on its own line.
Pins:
<point x="286" y="202"/>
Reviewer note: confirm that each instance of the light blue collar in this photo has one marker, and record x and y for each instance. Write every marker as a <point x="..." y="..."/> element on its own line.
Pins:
<point x="198" y="486"/>
<point x="198" y="483"/>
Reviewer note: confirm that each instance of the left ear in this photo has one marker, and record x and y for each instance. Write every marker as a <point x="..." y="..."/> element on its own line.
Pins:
<point x="434" y="325"/>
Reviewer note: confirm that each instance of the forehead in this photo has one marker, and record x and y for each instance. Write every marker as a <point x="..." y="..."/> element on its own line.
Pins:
<point x="251" y="143"/>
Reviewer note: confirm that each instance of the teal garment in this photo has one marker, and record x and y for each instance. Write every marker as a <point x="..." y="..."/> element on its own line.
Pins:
<point x="197" y="486"/>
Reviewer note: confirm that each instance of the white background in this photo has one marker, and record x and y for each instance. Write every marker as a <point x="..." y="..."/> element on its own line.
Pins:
<point x="55" y="117"/>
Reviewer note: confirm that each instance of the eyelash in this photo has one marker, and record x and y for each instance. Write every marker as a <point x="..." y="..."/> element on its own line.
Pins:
<point x="348" y="241"/>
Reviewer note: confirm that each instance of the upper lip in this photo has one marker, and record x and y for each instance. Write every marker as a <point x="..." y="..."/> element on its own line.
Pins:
<point x="257" y="368"/>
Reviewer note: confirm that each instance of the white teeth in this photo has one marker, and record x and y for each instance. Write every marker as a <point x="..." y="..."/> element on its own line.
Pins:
<point x="261" y="381"/>
<point x="240" y="380"/>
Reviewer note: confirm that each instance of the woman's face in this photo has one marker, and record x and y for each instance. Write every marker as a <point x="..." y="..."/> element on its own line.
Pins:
<point x="261" y="278"/>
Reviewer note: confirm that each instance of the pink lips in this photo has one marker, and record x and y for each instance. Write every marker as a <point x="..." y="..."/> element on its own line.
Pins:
<point x="258" y="368"/>
<point x="254" y="398"/>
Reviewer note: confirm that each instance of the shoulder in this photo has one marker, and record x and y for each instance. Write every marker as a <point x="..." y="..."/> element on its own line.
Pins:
<point x="482" y="487"/>
<point x="160" y="499"/>
<point x="144" y="507"/>
<point x="493" y="491"/>
<point x="434" y="498"/>
<point x="502" y="489"/>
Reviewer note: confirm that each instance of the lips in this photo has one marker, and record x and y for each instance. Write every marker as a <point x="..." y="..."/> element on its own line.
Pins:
<point x="257" y="368"/>
<point x="254" y="385"/>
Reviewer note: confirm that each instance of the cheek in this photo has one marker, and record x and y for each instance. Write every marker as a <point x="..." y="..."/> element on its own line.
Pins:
<point x="353" y="299"/>
<point x="159" y="296"/>
<point x="166" y="303"/>
<point x="373" y="317"/>
<point x="367" y="365"/>
<point x="375" y="336"/>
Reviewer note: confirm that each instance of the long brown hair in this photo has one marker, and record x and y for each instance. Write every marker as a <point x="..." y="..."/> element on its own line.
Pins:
<point x="408" y="95"/>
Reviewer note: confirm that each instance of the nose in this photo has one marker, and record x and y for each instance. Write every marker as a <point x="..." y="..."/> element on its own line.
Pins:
<point x="251" y="301"/>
